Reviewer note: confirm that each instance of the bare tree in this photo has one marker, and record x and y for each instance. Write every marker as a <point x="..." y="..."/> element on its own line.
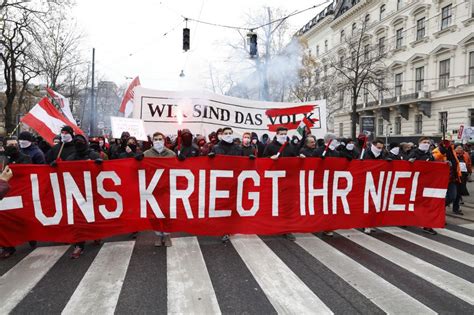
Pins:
<point x="356" y="67"/>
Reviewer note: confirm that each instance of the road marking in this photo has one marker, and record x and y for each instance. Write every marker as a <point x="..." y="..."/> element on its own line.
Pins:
<point x="99" y="290"/>
<point x="190" y="289"/>
<point x="11" y="203"/>
<point x="381" y="292"/>
<point x="434" y="193"/>
<point x="287" y="293"/>
<point x="444" y="280"/>
<point x="18" y="281"/>
<point x="440" y="248"/>
<point x="469" y="226"/>
<point x="457" y="236"/>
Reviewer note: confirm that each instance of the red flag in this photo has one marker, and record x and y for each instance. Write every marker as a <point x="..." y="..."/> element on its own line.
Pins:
<point x="127" y="102"/>
<point x="47" y="121"/>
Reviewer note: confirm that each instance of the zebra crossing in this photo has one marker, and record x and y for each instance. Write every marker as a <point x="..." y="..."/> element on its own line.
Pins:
<point x="393" y="271"/>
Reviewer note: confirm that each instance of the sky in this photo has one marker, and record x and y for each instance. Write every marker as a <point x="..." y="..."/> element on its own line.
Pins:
<point x="129" y="37"/>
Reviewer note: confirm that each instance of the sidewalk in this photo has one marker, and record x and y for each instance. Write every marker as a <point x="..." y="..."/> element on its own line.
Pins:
<point x="467" y="207"/>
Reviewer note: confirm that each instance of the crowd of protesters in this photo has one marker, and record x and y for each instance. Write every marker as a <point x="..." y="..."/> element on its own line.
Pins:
<point x="28" y="149"/>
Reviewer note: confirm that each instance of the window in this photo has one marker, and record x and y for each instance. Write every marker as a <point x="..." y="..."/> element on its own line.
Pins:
<point x="380" y="89"/>
<point x="399" y="38"/>
<point x="418" y="124"/>
<point x="366" y="93"/>
<point x="446" y="16"/>
<point x="419" y="78"/>
<point x="341" y="61"/>
<point x="444" y="74"/>
<point x="354" y="27"/>
<point x="398" y="84"/>
<point x="317" y="51"/>
<point x="471" y="117"/>
<point x="342" y="36"/>
<point x="366" y="52"/>
<point x="367" y="19"/>
<point x="325" y="71"/>
<point x="341" y="129"/>
<point x="471" y="68"/>
<point x="399" y="4"/>
<point x="317" y="76"/>
<point x="443" y="122"/>
<point x="420" y="28"/>
<point x="381" y="45"/>
<point x="398" y="125"/>
<point x="326" y="45"/>
<point x="380" y="126"/>
<point x="341" y="97"/>
<point x="382" y="11"/>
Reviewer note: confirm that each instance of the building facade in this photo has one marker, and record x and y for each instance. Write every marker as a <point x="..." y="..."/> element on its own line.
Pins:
<point x="428" y="53"/>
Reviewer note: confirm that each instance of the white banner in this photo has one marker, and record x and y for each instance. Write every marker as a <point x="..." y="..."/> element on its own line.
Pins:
<point x="133" y="126"/>
<point x="204" y="112"/>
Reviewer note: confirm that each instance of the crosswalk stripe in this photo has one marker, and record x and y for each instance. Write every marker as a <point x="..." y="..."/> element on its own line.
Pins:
<point x="457" y="236"/>
<point x="469" y="226"/>
<point x="287" y="293"/>
<point x="99" y="290"/>
<point x="190" y="289"/>
<point x="381" y="292"/>
<point x="440" y="248"/>
<point x="453" y="284"/>
<point x="18" y="281"/>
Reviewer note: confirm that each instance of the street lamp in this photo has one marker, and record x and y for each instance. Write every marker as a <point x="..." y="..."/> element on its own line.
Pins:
<point x="182" y="74"/>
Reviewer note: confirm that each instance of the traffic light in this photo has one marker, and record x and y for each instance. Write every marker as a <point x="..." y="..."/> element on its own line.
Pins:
<point x="186" y="39"/>
<point x="252" y="37"/>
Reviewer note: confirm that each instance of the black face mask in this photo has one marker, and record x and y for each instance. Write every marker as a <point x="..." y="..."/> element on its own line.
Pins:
<point x="11" y="151"/>
<point x="133" y="147"/>
<point x="80" y="147"/>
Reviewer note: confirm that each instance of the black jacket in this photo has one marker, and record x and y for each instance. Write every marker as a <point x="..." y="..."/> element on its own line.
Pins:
<point x="224" y="148"/>
<point x="65" y="153"/>
<point x="349" y="154"/>
<point x="89" y="154"/>
<point x="308" y="152"/>
<point x="391" y="156"/>
<point x="274" y="146"/>
<point x="20" y="158"/>
<point x="247" y="151"/>
<point x="330" y="153"/>
<point x="370" y="156"/>
<point x="36" y="155"/>
<point x="188" y="151"/>
<point x="420" y="155"/>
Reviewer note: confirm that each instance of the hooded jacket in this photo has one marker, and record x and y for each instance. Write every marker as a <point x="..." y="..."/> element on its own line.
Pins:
<point x="83" y="155"/>
<point x="36" y="155"/>
<point x="68" y="150"/>
<point x="273" y="147"/>
<point x="224" y="148"/>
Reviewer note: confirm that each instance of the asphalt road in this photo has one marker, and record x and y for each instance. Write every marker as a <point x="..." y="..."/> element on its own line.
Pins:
<point x="394" y="270"/>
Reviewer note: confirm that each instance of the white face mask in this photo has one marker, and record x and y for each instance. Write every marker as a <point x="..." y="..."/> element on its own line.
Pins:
<point x="101" y="143"/>
<point x="24" y="143"/>
<point x="281" y="138"/>
<point x="66" y="138"/>
<point x="350" y="146"/>
<point x="395" y="151"/>
<point x="424" y="147"/>
<point x="158" y="145"/>
<point x="376" y="151"/>
<point x="228" y="138"/>
<point x="246" y="141"/>
<point x="254" y="141"/>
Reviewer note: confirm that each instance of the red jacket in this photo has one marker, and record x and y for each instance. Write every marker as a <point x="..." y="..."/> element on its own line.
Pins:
<point x="4" y="188"/>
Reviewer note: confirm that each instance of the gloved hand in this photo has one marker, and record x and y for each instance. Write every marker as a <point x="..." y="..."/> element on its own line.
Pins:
<point x="211" y="155"/>
<point x="389" y="159"/>
<point x="98" y="161"/>
<point x="411" y="160"/>
<point x="139" y="157"/>
<point x="181" y="157"/>
<point x="274" y="157"/>
<point x="302" y="156"/>
<point x="53" y="164"/>
<point x="252" y="157"/>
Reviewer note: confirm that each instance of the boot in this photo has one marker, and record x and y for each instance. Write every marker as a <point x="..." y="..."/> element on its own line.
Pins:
<point x="167" y="241"/>
<point x="159" y="241"/>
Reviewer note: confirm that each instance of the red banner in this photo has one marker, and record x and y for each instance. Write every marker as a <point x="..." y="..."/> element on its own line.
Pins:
<point x="78" y="201"/>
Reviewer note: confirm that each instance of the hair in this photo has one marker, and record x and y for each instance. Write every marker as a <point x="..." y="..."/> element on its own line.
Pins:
<point x="329" y="136"/>
<point x="247" y="134"/>
<point x="423" y="139"/>
<point x="159" y="134"/>
<point x="378" y="140"/>
<point x="227" y="128"/>
<point x="281" y="129"/>
<point x="310" y="137"/>
<point x="220" y="130"/>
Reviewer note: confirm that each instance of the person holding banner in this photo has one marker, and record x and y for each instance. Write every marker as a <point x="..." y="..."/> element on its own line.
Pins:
<point x="279" y="146"/>
<point x="160" y="151"/>
<point x="349" y="151"/>
<point x="226" y="146"/>
<point x="329" y="148"/>
<point x="248" y="148"/>
<point x="27" y="144"/>
<point x="394" y="152"/>
<point x="309" y="147"/>
<point x="63" y="149"/>
<point x="186" y="148"/>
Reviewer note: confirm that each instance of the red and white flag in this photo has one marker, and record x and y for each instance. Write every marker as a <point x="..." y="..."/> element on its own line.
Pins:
<point x="47" y="121"/>
<point x="63" y="104"/>
<point x="127" y="102"/>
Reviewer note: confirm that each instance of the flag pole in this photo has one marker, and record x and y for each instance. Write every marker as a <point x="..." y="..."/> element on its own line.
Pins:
<point x="14" y="130"/>
<point x="60" y="151"/>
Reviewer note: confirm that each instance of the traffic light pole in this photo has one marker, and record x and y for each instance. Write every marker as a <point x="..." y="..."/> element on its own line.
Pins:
<point x="93" y="110"/>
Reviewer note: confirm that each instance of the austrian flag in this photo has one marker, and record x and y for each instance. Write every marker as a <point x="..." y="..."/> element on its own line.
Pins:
<point x="127" y="103"/>
<point x="47" y="121"/>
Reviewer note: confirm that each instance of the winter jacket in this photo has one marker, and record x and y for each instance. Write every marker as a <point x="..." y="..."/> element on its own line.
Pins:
<point x="274" y="146"/>
<point x="155" y="154"/>
<point x="370" y="156"/>
<point x="308" y="152"/>
<point x="454" y="169"/>
<point x="188" y="151"/>
<point x="391" y="156"/>
<point x="224" y="148"/>
<point x="420" y="155"/>
<point x="329" y="153"/>
<point x="20" y="158"/>
<point x="248" y="150"/>
<point x="4" y="188"/>
<point x="36" y="155"/>
<point x="65" y="153"/>
<point x="349" y="154"/>
<point x="89" y="154"/>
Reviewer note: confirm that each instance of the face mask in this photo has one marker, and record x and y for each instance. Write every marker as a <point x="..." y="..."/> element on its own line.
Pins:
<point x="66" y="138"/>
<point x="254" y="141"/>
<point x="219" y="137"/>
<point x="24" y="143"/>
<point x="11" y="150"/>
<point x="101" y="143"/>
<point x="158" y="146"/>
<point x="350" y="146"/>
<point x="295" y="141"/>
<point x="228" y="138"/>
<point x="424" y="147"/>
<point x="281" y="138"/>
<point x="246" y="141"/>
<point x="133" y="147"/>
<point x="395" y="151"/>
<point x="376" y="151"/>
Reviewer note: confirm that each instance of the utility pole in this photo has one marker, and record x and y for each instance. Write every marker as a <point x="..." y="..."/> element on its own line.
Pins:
<point x="92" y="123"/>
